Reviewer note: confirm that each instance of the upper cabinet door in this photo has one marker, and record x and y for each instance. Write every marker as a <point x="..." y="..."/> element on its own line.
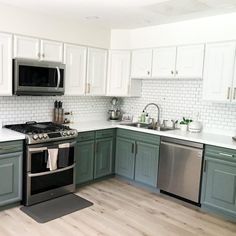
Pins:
<point x="118" y="73"/>
<point x="141" y="63"/>
<point x="234" y="85"/>
<point x="218" y="71"/>
<point x="164" y="60"/>
<point x="51" y="51"/>
<point x="189" y="61"/>
<point x="26" y="47"/>
<point x="75" y="60"/>
<point x="96" y="72"/>
<point x="5" y="64"/>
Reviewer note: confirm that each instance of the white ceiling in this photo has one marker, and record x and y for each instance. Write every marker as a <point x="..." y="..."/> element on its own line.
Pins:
<point x="127" y="13"/>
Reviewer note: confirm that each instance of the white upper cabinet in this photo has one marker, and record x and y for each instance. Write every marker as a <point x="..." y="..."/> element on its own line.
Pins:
<point x="233" y="92"/>
<point x="26" y="47"/>
<point x="163" y="64"/>
<point x="118" y="73"/>
<point x="189" y="61"/>
<point x="219" y="71"/>
<point x="51" y="50"/>
<point x="96" y="71"/>
<point x="185" y="62"/>
<point x="37" y="49"/>
<point x="141" y="63"/>
<point x="75" y="73"/>
<point x="5" y="64"/>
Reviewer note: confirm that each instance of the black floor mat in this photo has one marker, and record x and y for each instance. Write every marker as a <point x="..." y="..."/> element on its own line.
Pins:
<point x="55" y="208"/>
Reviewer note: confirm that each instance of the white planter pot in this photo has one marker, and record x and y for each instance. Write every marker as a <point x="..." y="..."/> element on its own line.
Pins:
<point x="183" y="128"/>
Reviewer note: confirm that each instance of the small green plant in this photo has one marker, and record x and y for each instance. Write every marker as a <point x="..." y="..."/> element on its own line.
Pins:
<point x="185" y="121"/>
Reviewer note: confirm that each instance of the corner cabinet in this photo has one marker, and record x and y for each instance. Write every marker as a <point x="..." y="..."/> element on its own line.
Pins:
<point x="218" y="75"/>
<point x="219" y="181"/>
<point x="75" y="60"/>
<point x="96" y="71"/>
<point x="94" y="155"/>
<point x="10" y="172"/>
<point x="137" y="156"/>
<point x="37" y="49"/>
<point x="118" y="81"/>
<point x="5" y="64"/>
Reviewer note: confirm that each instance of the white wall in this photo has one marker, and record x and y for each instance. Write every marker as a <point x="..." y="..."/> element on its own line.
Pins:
<point x="35" y="24"/>
<point x="216" y="28"/>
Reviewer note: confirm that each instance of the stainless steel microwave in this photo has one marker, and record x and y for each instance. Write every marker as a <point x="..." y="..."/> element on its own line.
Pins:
<point x="38" y="78"/>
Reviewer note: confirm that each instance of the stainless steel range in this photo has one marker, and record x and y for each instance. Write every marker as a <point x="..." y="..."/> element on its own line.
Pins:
<point x="49" y="160"/>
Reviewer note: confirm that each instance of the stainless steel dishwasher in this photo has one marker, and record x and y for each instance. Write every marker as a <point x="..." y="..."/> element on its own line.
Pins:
<point x="180" y="168"/>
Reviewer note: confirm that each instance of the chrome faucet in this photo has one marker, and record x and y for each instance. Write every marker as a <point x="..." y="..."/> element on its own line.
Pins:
<point x="158" y="110"/>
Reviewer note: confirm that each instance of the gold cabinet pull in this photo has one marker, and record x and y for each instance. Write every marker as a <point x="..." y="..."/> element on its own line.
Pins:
<point x="234" y="97"/>
<point x="228" y="94"/>
<point x="88" y="87"/>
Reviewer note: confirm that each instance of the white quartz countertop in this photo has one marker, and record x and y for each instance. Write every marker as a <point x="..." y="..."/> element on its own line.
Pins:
<point x="9" y="135"/>
<point x="203" y="137"/>
<point x="93" y="125"/>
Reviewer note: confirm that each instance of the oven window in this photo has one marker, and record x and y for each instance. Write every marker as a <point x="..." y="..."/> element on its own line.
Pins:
<point x="39" y="160"/>
<point x="51" y="181"/>
<point x="33" y="76"/>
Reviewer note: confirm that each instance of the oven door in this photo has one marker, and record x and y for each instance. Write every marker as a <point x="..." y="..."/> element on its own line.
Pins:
<point x="38" y="78"/>
<point x="43" y="184"/>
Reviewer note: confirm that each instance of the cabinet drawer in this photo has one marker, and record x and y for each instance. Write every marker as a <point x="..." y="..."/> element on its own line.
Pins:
<point x="104" y="133"/>
<point x="220" y="153"/>
<point x="85" y="136"/>
<point x="10" y="147"/>
<point x="139" y="136"/>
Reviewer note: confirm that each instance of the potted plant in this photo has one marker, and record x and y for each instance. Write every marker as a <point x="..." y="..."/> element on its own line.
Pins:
<point x="184" y="124"/>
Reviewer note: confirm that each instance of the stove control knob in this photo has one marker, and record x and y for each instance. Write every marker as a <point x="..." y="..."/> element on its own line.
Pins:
<point x="68" y="133"/>
<point x="72" y="132"/>
<point x="45" y="136"/>
<point x="64" y="134"/>
<point x="35" y="137"/>
<point x="40" y="136"/>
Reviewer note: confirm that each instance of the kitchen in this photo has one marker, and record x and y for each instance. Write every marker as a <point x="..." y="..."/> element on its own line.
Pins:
<point x="184" y="63"/>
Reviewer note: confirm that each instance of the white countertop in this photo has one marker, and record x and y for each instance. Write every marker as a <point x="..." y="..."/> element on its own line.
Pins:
<point x="203" y="137"/>
<point x="10" y="135"/>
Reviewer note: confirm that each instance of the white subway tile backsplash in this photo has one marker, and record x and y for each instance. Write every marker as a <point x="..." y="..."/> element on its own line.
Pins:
<point x="182" y="98"/>
<point x="19" y="109"/>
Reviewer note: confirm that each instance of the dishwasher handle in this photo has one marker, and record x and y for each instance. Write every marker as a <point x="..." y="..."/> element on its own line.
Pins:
<point x="181" y="146"/>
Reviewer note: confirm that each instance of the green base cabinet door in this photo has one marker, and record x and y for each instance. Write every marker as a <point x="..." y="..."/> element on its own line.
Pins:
<point x="103" y="157"/>
<point x="84" y="161"/>
<point x="146" y="166"/>
<point x="219" y="189"/>
<point x="10" y="178"/>
<point x="125" y="157"/>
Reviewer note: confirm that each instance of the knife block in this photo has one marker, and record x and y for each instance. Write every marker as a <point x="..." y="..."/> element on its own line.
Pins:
<point x="58" y="115"/>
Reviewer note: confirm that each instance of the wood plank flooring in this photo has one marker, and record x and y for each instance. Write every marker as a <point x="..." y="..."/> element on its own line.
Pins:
<point x="120" y="209"/>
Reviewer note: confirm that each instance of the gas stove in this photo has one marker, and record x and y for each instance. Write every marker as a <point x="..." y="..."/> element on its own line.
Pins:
<point x="41" y="132"/>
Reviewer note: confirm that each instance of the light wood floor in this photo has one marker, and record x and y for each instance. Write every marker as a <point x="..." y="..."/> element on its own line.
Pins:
<point x="120" y="209"/>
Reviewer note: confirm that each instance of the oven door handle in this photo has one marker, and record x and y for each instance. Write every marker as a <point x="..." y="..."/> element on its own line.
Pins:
<point x="58" y="77"/>
<point x="41" y="149"/>
<point x="51" y="172"/>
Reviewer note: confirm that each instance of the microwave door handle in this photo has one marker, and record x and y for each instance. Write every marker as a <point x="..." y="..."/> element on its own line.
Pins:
<point x="58" y="77"/>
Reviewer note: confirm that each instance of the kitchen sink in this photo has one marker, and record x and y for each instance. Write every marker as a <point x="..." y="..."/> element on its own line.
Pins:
<point x="148" y="126"/>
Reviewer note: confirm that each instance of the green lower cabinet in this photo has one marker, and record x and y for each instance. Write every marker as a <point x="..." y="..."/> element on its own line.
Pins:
<point x="125" y="157"/>
<point x="10" y="178"/>
<point x="146" y="165"/>
<point x="219" y="181"/>
<point x="84" y="161"/>
<point x="103" y="157"/>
